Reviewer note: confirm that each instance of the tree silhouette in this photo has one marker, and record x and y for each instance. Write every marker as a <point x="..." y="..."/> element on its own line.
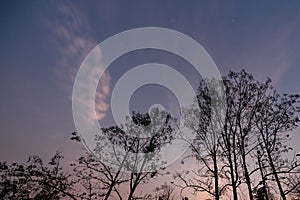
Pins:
<point x="127" y="154"/>
<point x="165" y="192"/>
<point x="256" y="126"/>
<point x="134" y="160"/>
<point x="245" y="148"/>
<point x="35" y="180"/>
<point x="205" y="147"/>
<point x="294" y="180"/>
<point x="274" y="119"/>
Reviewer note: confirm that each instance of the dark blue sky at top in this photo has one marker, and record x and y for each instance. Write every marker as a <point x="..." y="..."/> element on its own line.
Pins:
<point x="38" y="61"/>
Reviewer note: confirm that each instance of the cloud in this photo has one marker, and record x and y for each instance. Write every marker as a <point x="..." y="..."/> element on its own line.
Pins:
<point x="276" y="57"/>
<point x="73" y="41"/>
<point x="101" y="106"/>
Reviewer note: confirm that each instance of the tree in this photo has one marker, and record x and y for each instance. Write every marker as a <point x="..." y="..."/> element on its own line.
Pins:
<point x="205" y="147"/>
<point x="240" y="144"/>
<point x="165" y="192"/>
<point x="138" y="141"/>
<point x="141" y="139"/>
<point x="34" y="180"/>
<point x="294" y="181"/>
<point x="274" y="119"/>
<point x="257" y="119"/>
<point x="127" y="153"/>
<point x="261" y="193"/>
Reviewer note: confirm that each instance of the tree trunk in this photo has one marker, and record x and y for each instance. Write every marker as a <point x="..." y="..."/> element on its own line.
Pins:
<point x="246" y="173"/>
<point x="276" y="176"/>
<point x="263" y="179"/>
<point x="130" y="196"/>
<point x="232" y="173"/>
<point x="109" y="190"/>
<point x="217" y="195"/>
<point x="248" y="182"/>
<point x="137" y="179"/>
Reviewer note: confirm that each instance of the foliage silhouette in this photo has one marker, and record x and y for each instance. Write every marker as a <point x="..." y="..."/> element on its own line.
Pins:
<point x="244" y="149"/>
<point x="34" y="180"/>
<point x="127" y="154"/>
<point x="257" y="119"/>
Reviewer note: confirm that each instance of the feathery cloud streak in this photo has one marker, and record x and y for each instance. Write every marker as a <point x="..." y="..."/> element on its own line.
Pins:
<point x="74" y="41"/>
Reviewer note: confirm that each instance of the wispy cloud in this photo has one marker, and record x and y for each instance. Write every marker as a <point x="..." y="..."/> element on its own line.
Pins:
<point x="276" y="57"/>
<point x="73" y="40"/>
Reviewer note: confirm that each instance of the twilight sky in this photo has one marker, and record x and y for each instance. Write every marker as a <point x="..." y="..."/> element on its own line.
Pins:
<point x="44" y="42"/>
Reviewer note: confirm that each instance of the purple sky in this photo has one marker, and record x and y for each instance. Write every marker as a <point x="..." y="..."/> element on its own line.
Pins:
<point x="44" y="42"/>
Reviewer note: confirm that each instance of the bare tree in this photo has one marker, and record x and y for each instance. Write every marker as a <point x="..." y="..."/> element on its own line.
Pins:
<point x="35" y="180"/>
<point x="241" y="142"/>
<point x="128" y="153"/>
<point x="275" y="118"/>
<point x="251" y="141"/>
<point x="205" y="147"/>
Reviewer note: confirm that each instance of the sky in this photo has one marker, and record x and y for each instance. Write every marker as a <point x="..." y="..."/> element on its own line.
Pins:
<point x="43" y="44"/>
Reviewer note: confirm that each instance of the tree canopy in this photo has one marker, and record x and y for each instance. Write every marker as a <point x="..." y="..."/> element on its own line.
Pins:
<point x="240" y="145"/>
